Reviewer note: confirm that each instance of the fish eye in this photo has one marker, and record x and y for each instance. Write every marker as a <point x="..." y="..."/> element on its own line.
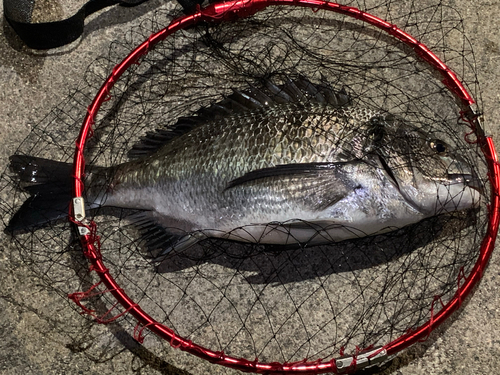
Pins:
<point x="438" y="146"/>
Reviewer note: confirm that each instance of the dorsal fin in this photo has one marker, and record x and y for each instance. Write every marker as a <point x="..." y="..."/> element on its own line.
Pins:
<point x="156" y="139"/>
<point x="300" y="90"/>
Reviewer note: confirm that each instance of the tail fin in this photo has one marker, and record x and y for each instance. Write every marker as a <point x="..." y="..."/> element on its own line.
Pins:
<point x="49" y="183"/>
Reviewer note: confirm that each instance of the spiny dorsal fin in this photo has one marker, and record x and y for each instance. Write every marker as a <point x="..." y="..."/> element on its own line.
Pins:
<point x="300" y="90"/>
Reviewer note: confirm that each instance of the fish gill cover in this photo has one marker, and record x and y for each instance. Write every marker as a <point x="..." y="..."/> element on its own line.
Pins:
<point x="258" y="300"/>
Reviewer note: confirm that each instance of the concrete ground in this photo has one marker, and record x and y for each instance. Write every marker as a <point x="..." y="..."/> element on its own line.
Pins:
<point x="36" y="334"/>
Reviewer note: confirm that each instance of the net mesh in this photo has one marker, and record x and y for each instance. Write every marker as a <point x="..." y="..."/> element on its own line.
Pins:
<point x="253" y="300"/>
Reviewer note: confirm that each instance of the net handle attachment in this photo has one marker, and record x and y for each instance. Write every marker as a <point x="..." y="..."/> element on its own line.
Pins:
<point x="230" y="10"/>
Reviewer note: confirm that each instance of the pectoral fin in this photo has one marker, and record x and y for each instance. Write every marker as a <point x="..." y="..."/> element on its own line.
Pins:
<point x="315" y="185"/>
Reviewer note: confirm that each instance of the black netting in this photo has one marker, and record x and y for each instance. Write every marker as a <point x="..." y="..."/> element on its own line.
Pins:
<point x="256" y="300"/>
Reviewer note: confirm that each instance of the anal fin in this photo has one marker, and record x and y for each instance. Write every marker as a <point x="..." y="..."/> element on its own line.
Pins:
<point x="158" y="240"/>
<point x="181" y="244"/>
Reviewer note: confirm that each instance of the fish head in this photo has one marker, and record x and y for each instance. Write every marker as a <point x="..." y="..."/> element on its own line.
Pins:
<point x="431" y="174"/>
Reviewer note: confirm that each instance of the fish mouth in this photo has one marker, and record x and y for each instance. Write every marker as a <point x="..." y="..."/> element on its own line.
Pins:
<point x="469" y="180"/>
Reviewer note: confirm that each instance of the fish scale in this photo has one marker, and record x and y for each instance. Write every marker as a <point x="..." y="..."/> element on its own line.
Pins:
<point x="219" y="152"/>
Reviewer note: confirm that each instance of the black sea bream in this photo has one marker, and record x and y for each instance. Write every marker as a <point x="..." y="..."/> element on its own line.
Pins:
<point x="296" y="163"/>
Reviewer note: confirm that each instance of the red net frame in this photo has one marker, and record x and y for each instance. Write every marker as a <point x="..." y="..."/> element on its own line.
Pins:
<point x="244" y="8"/>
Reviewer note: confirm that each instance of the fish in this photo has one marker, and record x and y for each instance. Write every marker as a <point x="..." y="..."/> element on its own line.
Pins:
<point x="295" y="163"/>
